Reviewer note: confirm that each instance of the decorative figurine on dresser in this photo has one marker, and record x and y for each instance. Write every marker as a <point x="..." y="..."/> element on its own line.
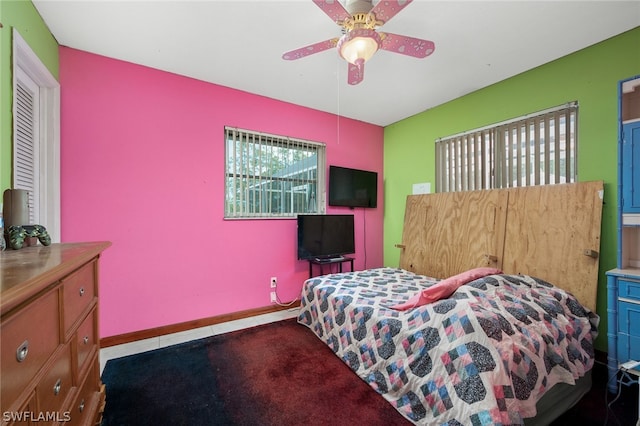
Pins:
<point x="49" y="352"/>
<point x="15" y="212"/>
<point x="623" y="283"/>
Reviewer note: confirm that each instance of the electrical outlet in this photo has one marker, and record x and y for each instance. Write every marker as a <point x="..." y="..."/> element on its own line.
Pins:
<point x="274" y="299"/>
<point x="274" y="282"/>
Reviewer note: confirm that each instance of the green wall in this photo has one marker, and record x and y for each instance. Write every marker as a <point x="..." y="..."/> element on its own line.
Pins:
<point x="23" y="16"/>
<point x="589" y="76"/>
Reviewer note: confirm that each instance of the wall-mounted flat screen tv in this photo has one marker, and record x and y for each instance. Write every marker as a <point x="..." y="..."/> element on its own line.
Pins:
<point x="323" y="236"/>
<point x="352" y="187"/>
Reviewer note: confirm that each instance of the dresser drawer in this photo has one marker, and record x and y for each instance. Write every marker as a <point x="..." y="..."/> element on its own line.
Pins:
<point x="29" y="338"/>
<point x="86" y="339"/>
<point x="78" y="292"/>
<point x="21" y="416"/>
<point x="629" y="289"/>
<point x="55" y="386"/>
<point x="87" y="400"/>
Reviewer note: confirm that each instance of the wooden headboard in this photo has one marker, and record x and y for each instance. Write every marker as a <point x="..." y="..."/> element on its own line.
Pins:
<point x="550" y="232"/>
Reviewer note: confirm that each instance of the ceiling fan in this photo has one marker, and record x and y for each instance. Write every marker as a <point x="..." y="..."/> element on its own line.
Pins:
<point x="360" y="40"/>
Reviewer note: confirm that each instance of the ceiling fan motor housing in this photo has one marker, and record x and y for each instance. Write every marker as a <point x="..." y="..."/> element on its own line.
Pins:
<point x="358" y="6"/>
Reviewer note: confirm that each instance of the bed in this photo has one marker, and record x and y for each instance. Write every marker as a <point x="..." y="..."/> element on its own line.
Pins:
<point x="510" y="344"/>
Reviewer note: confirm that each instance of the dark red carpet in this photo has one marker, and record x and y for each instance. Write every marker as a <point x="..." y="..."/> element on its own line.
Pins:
<point x="278" y="374"/>
<point x="275" y="374"/>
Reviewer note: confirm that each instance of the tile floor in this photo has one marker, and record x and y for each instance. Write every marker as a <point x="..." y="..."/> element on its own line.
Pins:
<point x="185" y="336"/>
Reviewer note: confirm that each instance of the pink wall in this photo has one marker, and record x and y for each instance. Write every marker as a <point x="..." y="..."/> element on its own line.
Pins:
<point x="142" y="155"/>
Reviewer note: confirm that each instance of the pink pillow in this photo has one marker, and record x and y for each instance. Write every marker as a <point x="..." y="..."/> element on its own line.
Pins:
<point x="445" y="288"/>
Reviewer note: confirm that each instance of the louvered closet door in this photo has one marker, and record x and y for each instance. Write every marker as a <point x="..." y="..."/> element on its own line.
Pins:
<point x="26" y="137"/>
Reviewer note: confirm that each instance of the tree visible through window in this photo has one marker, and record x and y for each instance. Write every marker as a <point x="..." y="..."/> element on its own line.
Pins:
<point x="537" y="149"/>
<point x="272" y="176"/>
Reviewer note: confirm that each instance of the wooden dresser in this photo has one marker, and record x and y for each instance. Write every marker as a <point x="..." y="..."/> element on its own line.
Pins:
<point x="49" y="343"/>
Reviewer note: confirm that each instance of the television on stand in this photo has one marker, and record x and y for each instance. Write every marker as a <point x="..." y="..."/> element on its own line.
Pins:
<point x="352" y="187"/>
<point x="325" y="236"/>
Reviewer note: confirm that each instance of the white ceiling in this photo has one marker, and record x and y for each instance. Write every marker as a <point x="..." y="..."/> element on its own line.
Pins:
<point x="239" y="44"/>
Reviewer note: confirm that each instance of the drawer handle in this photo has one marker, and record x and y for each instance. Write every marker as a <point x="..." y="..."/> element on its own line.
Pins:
<point x="57" y="387"/>
<point x="85" y="340"/>
<point x="81" y="291"/>
<point x="22" y="351"/>
<point x="81" y="406"/>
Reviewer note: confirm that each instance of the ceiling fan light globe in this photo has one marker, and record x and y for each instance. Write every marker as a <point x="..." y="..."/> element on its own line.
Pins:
<point x="359" y="44"/>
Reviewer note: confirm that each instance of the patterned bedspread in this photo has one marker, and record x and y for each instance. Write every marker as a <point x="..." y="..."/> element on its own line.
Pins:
<point x="484" y="356"/>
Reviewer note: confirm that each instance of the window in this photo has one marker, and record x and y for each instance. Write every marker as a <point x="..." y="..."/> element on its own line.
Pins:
<point x="537" y="149"/>
<point x="269" y="176"/>
<point x="36" y="136"/>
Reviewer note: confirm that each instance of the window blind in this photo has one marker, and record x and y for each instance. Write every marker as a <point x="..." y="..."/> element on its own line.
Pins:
<point x="272" y="176"/>
<point x="536" y="149"/>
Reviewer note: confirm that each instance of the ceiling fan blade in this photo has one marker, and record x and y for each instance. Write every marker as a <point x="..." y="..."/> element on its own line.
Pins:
<point x="387" y="9"/>
<point x="311" y="49"/>
<point x="356" y="72"/>
<point x="333" y="9"/>
<point x="405" y="45"/>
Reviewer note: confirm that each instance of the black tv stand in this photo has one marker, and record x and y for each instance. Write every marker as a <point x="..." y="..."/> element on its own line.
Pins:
<point x="321" y="261"/>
